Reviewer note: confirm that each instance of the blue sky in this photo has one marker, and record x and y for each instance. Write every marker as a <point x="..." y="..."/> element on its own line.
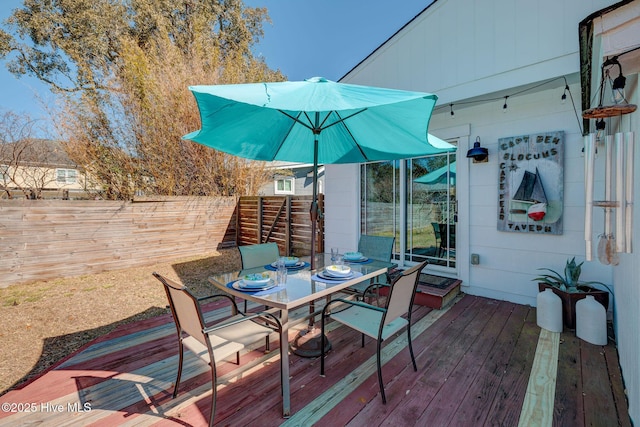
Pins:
<point x="306" y="38"/>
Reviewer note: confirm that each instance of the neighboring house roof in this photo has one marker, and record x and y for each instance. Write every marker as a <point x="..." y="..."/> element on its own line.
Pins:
<point x="278" y="164"/>
<point x="38" y="152"/>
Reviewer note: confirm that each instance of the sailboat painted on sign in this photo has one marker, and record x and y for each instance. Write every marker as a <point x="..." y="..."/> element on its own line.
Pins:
<point x="531" y="191"/>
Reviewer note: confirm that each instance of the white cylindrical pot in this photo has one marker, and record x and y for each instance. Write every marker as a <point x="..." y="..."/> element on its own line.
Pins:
<point x="591" y="321"/>
<point x="549" y="311"/>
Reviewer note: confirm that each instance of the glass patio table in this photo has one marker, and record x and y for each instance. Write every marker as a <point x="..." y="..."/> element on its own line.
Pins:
<point x="299" y="290"/>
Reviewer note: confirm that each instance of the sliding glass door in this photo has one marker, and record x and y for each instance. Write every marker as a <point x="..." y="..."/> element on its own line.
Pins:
<point x="413" y="200"/>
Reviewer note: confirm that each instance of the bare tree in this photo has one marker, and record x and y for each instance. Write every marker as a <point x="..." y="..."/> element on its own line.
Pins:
<point x="26" y="161"/>
<point x="123" y="68"/>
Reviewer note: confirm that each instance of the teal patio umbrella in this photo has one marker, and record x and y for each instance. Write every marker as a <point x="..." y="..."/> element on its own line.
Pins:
<point x="442" y="175"/>
<point x="315" y="121"/>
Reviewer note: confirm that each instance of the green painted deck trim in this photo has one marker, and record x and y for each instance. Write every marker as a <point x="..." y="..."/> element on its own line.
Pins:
<point x="324" y="403"/>
<point x="537" y="408"/>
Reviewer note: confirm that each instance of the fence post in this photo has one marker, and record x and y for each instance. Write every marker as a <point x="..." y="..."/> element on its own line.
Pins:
<point x="259" y="220"/>
<point x="237" y="219"/>
<point x="288" y="227"/>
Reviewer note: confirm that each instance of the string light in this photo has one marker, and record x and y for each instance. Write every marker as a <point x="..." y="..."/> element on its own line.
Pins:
<point x="563" y="99"/>
<point x="505" y="106"/>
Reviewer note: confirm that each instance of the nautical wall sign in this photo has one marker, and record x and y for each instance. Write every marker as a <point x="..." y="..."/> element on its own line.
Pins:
<point x="531" y="183"/>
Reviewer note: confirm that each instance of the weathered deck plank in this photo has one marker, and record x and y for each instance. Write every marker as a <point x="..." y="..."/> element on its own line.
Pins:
<point x="537" y="408"/>
<point x="475" y="403"/>
<point x="599" y="405"/>
<point x="437" y="359"/>
<point x="568" y="410"/>
<point x="474" y="362"/>
<point x="506" y="407"/>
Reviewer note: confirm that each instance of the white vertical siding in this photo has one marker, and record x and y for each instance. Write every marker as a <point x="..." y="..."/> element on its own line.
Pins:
<point x="509" y="260"/>
<point x="463" y="49"/>
<point x="342" y="206"/>
<point x="627" y="287"/>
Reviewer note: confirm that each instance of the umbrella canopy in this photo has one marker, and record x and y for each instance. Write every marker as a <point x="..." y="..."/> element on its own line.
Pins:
<point x="442" y="175"/>
<point x="280" y="121"/>
<point x="315" y="121"/>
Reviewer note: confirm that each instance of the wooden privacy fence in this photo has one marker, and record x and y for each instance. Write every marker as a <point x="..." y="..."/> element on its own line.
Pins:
<point x="49" y="239"/>
<point x="281" y="219"/>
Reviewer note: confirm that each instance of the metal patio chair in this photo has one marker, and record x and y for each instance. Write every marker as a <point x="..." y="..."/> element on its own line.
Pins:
<point x="373" y="247"/>
<point x="377" y="322"/>
<point x="438" y="237"/>
<point x="447" y="240"/>
<point x="258" y="255"/>
<point x="212" y="343"/>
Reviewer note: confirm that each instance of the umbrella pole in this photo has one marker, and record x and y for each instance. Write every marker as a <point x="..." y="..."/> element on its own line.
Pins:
<point x="308" y="343"/>
<point x="314" y="203"/>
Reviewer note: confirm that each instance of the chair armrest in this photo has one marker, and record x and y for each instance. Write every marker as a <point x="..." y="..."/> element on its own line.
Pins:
<point x="271" y="320"/>
<point x="234" y="306"/>
<point x="351" y="302"/>
<point x="375" y="285"/>
<point x="260" y="315"/>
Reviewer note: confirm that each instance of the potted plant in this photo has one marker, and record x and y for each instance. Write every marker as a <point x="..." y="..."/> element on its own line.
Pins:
<point x="570" y="289"/>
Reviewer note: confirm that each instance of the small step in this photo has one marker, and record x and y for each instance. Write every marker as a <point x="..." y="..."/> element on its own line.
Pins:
<point x="436" y="291"/>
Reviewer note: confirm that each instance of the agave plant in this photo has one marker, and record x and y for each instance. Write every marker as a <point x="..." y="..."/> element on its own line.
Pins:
<point x="571" y="279"/>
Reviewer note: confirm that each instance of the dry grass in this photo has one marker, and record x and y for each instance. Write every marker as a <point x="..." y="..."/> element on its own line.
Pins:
<point x="43" y="322"/>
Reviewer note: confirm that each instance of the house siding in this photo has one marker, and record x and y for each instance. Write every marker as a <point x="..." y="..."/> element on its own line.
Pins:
<point x="303" y="183"/>
<point x="469" y="51"/>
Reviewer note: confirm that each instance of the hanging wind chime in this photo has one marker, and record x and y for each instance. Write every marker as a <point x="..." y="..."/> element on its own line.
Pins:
<point x="618" y="186"/>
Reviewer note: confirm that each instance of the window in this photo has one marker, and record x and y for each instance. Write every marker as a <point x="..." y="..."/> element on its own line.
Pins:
<point x="66" y="176"/>
<point x="284" y="186"/>
<point x="413" y="200"/>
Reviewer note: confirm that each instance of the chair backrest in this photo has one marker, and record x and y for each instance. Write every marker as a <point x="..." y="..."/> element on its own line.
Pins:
<point x="448" y="234"/>
<point x="436" y="230"/>
<point x="185" y="309"/>
<point x="376" y="247"/>
<point x="258" y="255"/>
<point x="403" y="288"/>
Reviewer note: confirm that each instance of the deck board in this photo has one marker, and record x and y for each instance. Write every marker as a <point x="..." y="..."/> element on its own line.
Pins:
<point x="473" y="407"/>
<point x="506" y="407"/>
<point x="599" y="405"/>
<point x="433" y="385"/>
<point x="474" y="362"/>
<point x="568" y="410"/>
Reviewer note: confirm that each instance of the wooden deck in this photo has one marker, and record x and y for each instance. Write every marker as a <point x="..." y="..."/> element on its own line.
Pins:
<point x="480" y="362"/>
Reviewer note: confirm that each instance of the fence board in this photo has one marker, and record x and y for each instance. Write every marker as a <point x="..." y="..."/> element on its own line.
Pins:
<point x="47" y="239"/>
<point x="292" y="229"/>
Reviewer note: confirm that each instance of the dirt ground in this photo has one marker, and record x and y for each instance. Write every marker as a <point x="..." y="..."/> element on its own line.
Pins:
<point x="45" y="321"/>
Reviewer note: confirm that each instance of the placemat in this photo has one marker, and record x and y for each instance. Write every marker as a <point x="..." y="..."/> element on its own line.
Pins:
<point x="294" y="268"/>
<point x="328" y="281"/>
<point x="367" y="261"/>
<point x="257" y="292"/>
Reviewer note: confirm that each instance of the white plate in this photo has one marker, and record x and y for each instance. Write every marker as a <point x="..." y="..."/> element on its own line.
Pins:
<point x="363" y="259"/>
<point x="352" y="256"/>
<point x="324" y="275"/>
<point x="338" y="270"/>
<point x="296" y="265"/>
<point x="241" y="287"/>
<point x="291" y="261"/>
<point x="255" y="280"/>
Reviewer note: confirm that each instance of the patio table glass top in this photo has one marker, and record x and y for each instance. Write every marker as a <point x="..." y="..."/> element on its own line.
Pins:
<point x="301" y="288"/>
